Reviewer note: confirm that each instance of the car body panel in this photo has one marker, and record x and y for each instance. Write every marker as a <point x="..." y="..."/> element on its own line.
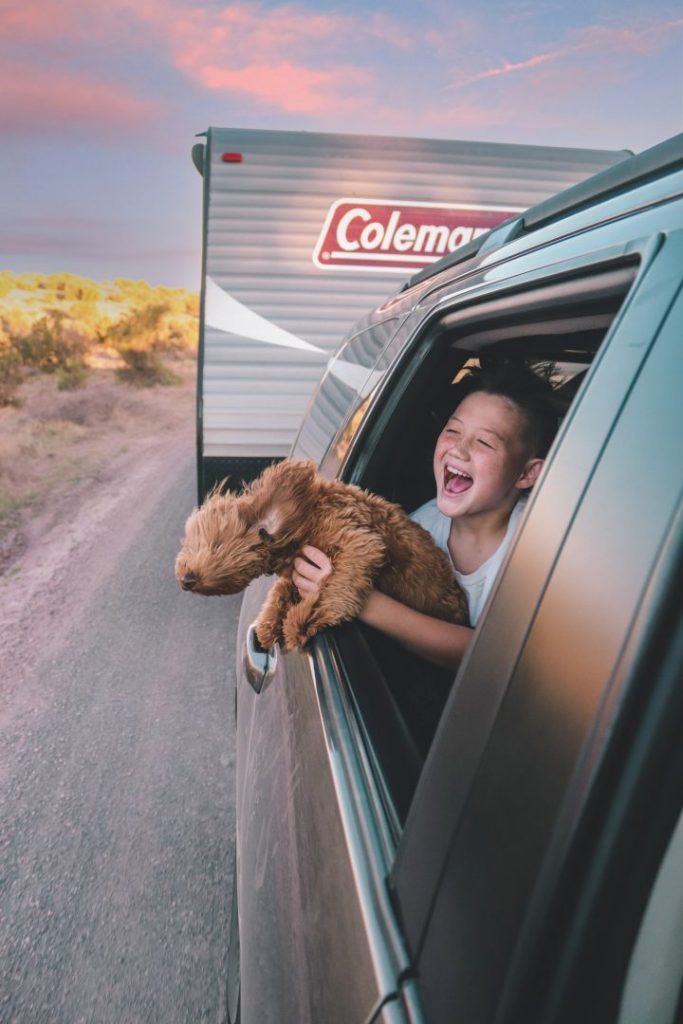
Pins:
<point x="316" y="819"/>
<point x="346" y="917"/>
<point x="558" y="705"/>
<point x="550" y="513"/>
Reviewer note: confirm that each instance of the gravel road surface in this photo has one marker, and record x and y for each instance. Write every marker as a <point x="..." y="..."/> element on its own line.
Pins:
<point x="116" y="760"/>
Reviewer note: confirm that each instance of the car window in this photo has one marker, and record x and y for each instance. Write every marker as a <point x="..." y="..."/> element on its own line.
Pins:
<point x="350" y="375"/>
<point x="557" y="336"/>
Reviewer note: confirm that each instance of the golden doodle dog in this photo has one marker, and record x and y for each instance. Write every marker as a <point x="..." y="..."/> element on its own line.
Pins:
<point x="234" y="538"/>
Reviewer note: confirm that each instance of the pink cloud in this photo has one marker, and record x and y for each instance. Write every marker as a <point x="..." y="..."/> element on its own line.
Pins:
<point x="381" y="26"/>
<point x="71" y="22"/>
<point x="36" y="21"/>
<point x="258" y="32"/>
<point x="507" y="67"/>
<point x="465" y="116"/>
<point x="292" y="88"/>
<point x="68" y="103"/>
<point x="276" y="30"/>
<point x="285" y="55"/>
<point x="639" y="39"/>
<point x="602" y="39"/>
<point x="454" y="36"/>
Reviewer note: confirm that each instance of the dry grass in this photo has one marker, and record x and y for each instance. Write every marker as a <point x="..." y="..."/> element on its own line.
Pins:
<point x="53" y="439"/>
<point x="62" y="324"/>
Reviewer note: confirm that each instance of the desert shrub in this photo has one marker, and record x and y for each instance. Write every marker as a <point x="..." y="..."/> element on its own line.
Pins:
<point x="10" y="368"/>
<point x="139" y="338"/>
<point x="7" y="283"/>
<point x="54" y="343"/>
<point x="63" y="324"/>
<point x="16" y="321"/>
<point x="37" y="345"/>
<point x="191" y="304"/>
<point x="90" y="407"/>
<point x="70" y="286"/>
<point x="137" y="293"/>
<point x="71" y="374"/>
<point x="92" y="323"/>
<point x="180" y="334"/>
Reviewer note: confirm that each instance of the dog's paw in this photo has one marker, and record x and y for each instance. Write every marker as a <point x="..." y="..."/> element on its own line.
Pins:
<point x="267" y="634"/>
<point x="297" y="634"/>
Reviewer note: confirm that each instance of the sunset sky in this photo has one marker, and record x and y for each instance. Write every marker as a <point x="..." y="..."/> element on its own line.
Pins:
<point x="100" y="103"/>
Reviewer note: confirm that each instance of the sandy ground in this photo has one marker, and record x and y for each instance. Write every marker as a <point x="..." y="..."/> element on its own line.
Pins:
<point x="64" y="544"/>
<point x="116" y="756"/>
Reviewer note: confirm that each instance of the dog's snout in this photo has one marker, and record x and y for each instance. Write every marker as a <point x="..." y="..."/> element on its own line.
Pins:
<point x="189" y="582"/>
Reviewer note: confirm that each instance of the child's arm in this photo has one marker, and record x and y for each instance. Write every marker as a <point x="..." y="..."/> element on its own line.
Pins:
<point x="442" y="643"/>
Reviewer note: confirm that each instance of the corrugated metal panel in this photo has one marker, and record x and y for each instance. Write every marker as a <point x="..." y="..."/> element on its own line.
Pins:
<point x="264" y="219"/>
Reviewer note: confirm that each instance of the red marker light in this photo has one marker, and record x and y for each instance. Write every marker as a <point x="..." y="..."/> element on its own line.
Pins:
<point x="232" y="158"/>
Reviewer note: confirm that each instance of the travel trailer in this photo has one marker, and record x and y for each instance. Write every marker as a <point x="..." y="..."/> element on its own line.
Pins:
<point x="305" y="231"/>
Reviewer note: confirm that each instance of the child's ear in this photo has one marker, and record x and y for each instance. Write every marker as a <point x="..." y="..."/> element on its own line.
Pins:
<point x="529" y="474"/>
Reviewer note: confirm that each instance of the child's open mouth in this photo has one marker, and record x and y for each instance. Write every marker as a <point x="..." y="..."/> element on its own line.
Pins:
<point x="456" y="482"/>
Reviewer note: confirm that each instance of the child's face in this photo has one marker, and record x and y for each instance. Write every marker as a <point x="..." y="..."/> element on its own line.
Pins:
<point x="481" y="461"/>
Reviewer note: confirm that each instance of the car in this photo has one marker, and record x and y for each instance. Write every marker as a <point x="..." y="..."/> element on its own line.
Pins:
<point x="505" y="846"/>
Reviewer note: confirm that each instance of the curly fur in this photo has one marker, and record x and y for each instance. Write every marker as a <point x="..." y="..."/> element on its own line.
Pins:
<point x="232" y="539"/>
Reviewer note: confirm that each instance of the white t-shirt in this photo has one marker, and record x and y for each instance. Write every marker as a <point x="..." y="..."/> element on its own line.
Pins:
<point x="477" y="585"/>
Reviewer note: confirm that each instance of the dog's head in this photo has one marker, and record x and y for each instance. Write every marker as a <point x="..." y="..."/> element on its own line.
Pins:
<point x="223" y="549"/>
<point x="232" y="538"/>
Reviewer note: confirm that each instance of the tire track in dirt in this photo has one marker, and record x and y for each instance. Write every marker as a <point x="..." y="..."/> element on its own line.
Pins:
<point x="70" y="550"/>
<point x="117" y="739"/>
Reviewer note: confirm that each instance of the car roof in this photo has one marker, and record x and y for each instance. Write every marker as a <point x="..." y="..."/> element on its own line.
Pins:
<point x="620" y="187"/>
<point x="620" y="179"/>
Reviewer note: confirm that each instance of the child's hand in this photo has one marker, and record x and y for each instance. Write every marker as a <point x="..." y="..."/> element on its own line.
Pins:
<point x="311" y="569"/>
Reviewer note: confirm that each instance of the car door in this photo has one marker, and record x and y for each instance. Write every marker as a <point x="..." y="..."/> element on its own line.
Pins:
<point x="318" y="938"/>
<point x="317" y="933"/>
<point x="317" y="830"/>
<point x="526" y="738"/>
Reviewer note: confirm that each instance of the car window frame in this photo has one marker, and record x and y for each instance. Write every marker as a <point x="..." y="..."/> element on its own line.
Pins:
<point x="437" y="807"/>
<point x="649" y="250"/>
<point x="644" y="772"/>
<point x="401" y="359"/>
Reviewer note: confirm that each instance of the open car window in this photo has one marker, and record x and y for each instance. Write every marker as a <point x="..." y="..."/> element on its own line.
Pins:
<point x="554" y="329"/>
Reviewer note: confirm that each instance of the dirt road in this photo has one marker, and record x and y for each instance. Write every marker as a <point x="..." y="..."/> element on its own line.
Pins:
<point x="116" y="759"/>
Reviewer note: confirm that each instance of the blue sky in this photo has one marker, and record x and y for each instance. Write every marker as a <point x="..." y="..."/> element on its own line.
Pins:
<point x="99" y="104"/>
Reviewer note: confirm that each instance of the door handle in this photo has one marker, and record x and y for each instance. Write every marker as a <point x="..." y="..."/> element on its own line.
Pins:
<point x="259" y="664"/>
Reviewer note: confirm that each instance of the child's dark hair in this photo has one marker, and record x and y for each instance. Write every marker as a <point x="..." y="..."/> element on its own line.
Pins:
<point x="530" y="392"/>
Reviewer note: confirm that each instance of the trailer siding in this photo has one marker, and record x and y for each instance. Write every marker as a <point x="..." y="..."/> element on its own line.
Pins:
<point x="263" y="217"/>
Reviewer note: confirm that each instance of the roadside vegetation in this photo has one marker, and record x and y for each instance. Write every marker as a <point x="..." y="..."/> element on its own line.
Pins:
<point x="86" y="370"/>
<point x="65" y="325"/>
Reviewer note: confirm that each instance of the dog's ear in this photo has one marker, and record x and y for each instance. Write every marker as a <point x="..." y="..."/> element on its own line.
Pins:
<point x="255" y="517"/>
<point x="278" y="499"/>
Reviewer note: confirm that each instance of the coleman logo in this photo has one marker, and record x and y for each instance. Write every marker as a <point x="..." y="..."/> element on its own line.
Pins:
<point x="370" y="234"/>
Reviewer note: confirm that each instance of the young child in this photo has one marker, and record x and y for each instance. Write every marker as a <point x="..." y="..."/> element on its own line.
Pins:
<point x="487" y="458"/>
